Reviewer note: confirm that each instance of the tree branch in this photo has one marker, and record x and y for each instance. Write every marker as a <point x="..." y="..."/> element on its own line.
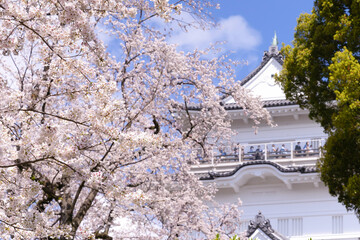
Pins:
<point x="83" y="210"/>
<point x="24" y="163"/>
<point x="56" y="116"/>
<point x="76" y="197"/>
<point x="103" y="158"/>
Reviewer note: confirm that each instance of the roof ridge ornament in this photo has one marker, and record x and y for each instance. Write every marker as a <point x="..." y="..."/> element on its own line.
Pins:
<point x="275" y="40"/>
<point x="273" y="50"/>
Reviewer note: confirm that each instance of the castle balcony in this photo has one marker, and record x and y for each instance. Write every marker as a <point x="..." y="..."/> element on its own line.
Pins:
<point x="286" y="154"/>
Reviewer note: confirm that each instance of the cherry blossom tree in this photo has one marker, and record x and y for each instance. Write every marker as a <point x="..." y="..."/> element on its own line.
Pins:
<point x="97" y="146"/>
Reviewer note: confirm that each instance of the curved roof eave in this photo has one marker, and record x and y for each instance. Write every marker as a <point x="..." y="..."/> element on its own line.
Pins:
<point x="297" y="169"/>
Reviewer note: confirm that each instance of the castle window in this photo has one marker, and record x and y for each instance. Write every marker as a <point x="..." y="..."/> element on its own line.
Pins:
<point x="297" y="226"/>
<point x="283" y="226"/>
<point x="337" y="224"/>
<point x="295" y="229"/>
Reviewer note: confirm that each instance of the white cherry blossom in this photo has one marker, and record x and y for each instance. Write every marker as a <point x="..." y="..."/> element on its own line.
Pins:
<point x="88" y="140"/>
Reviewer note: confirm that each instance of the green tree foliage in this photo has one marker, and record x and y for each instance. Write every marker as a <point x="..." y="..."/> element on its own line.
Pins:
<point x="233" y="238"/>
<point x="340" y="168"/>
<point x="322" y="72"/>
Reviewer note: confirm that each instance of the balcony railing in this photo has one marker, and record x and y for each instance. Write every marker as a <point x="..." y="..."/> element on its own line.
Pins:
<point x="285" y="153"/>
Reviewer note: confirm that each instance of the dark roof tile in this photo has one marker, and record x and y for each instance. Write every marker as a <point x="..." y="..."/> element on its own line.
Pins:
<point x="235" y="106"/>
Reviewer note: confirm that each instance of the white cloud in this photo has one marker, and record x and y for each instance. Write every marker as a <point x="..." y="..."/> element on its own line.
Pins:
<point x="234" y="30"/>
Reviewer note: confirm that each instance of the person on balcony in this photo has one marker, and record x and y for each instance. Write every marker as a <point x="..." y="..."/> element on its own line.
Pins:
<point x="307" y="148"/>
<point x="235" y="149"/>
<point x="258" y="153"/>
<point x="311" y="150"/>
<point x="297" y="149"/>
<point x="222" y="155"/>
<point x="222" y="152"/>
<point x="274" y="150"/>
<point x="283" y="151"/>
<point x="250" y="155"/>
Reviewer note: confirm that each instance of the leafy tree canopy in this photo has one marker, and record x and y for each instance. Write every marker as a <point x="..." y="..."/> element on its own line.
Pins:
<point x="322" y="72"/>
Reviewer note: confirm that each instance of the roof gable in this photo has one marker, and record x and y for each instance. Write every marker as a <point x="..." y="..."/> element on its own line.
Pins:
<point x="261" y="229"/>
<point x="266" y="58"/>
<point x="263" y="83"/>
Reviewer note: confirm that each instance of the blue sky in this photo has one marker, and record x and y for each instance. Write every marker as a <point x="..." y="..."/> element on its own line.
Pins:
<point x="248" y="27"/>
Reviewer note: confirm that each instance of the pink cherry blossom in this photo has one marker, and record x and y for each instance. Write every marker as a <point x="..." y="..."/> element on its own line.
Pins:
<point x="89" y="141"/>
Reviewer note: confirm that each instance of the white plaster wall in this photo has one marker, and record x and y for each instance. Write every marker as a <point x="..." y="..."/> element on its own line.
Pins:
<point x="313" y="204"/>
<point x="287" y="129"/>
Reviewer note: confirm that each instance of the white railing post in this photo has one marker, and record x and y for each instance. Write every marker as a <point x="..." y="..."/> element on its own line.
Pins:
<point x="239" y="152"/>
<point x="292" y="150"/>
<point x="320" y="155"/>
<point x="266" y="152"/>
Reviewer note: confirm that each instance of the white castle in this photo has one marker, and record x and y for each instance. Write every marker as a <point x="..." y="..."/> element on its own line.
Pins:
<point x="274" y="172"/>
